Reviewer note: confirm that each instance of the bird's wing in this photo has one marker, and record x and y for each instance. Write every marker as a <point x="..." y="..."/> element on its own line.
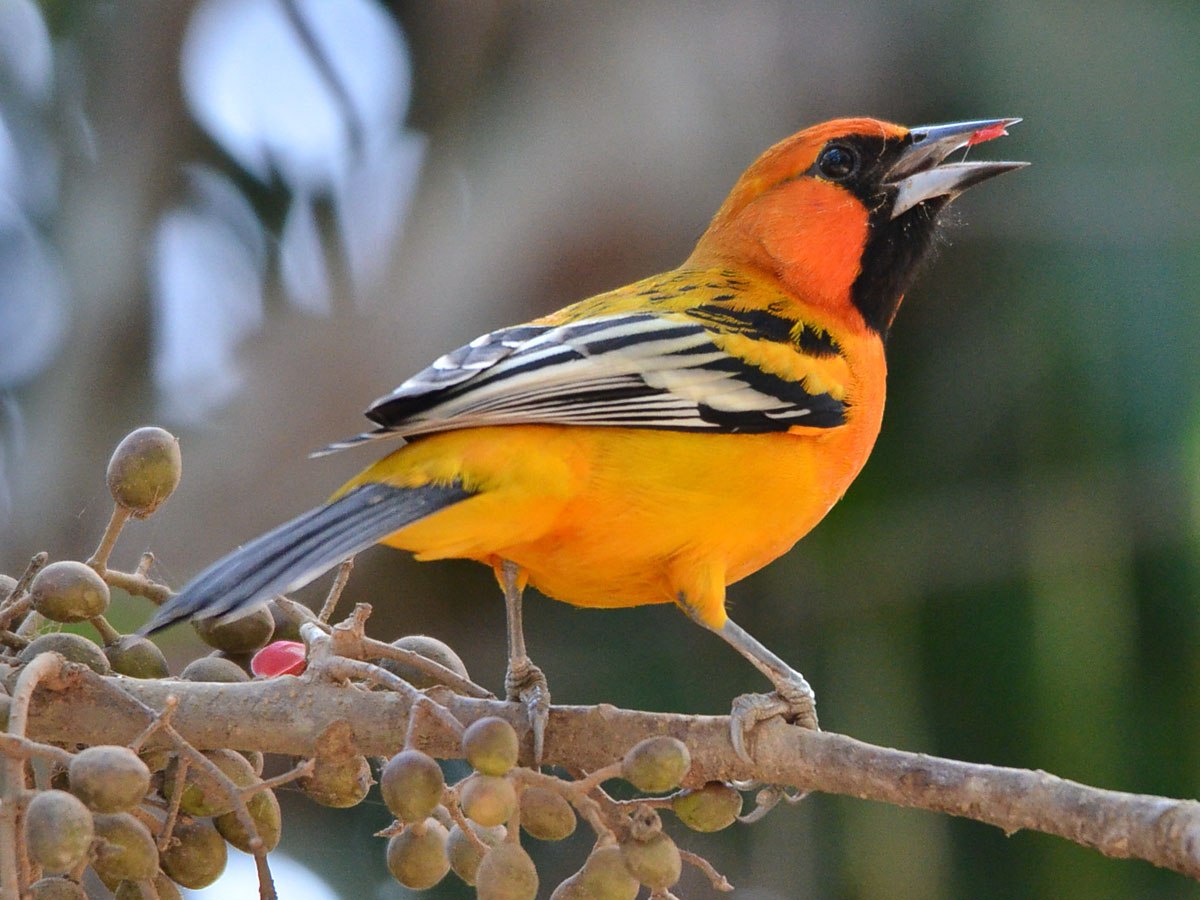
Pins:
<point x="632" y="370"/>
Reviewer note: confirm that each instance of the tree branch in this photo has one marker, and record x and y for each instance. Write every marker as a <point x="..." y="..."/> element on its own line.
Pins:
<point x="282" y="715"/>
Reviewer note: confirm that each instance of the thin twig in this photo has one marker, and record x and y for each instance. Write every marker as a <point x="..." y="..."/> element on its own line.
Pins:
<point x="177" y="787"/>
<point x="138" y="585"/>
<point x="18" y="599"/>
<point x="158" y="721"/>
<point x="231" y="790"/>
<point x="99" y="559"/>
<point x="266" y="884"/>
<point x="15" y="744"/>
<point x="335" y="590"/>
<point x="108" y="634"/>
<point x="718" y="881"/>
<point x="300" y="770"/>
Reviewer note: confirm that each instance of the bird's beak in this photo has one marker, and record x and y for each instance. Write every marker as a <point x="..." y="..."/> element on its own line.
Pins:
<point x="919" y="175"/>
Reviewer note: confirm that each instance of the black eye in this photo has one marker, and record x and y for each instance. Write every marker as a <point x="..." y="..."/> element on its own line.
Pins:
<point x="837" y="162"/>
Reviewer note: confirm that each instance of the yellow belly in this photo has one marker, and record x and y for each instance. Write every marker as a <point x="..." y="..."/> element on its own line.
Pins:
<point x="611" y="517"/>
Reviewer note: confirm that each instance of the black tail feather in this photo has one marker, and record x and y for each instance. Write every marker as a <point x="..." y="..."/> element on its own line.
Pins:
<point x="298" y="551"/>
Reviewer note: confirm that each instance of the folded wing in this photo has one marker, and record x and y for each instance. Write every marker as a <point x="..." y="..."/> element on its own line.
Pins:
<point x="636" y="370"/>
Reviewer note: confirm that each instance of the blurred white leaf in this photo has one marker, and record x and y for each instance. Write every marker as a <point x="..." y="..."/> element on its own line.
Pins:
<point x="25" y="50"/>
<point x="32" y="299"/>
<point x="262" y="93"/>
<point x="29" y="165"/>
<point x="302" y="259"/>
<point x="207" y="282"/>
<point x="372" y="201"/>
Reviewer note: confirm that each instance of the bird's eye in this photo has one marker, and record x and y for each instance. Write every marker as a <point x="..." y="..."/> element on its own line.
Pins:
<point x="837" y="162"/>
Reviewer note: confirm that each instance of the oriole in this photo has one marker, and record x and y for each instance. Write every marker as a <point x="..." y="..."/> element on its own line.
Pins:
<point x="658" y="442"/>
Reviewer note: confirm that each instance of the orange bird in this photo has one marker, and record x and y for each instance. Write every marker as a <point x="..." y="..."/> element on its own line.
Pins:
<point x="658" y="442"/>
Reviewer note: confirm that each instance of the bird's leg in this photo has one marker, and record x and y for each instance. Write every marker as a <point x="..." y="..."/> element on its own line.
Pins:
<point x="523" y="681"/>
<point x="793" y="698"/>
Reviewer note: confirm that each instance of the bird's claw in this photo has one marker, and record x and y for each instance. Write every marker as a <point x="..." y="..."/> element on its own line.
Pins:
<point x="526" y="683"/>
<point x="793" y="700"/>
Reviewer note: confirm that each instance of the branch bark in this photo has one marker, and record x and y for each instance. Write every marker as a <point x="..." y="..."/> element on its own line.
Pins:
<point x="282" y="715"/>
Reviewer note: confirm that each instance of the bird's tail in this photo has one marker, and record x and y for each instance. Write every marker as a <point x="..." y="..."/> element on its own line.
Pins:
<point x="298" y="551"/>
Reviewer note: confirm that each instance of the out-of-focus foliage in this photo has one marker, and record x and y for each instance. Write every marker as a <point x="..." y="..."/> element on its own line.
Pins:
<point x="1015" y="577"/>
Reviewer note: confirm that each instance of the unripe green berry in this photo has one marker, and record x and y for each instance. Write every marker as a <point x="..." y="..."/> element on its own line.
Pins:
<point x="412" y="785"/>
<point x="137" y="657"/>
<point x="56" y="889"/>
<point x="430" y="648"/>
<point x="244" y="634"/>
<point x="202" y="794"/>
<point x="69" y="591"/>
<point x="506" y="873"/>
<point x="197" y="855"/>
<point x="416" y="857"/>
<point x="603" y="877"/>
<point x="268" y="822"/>
<point x="656" y="764"/>
<point x="132" y="890"/>
<point x="710" y="808"/>
<point x="339" y="782"/>
<point x="75" y="648"/>
<point x="214" y="668"/>
<point x="124" y="850"/>
<point x="491" y="746"/>
<point x="655" y="861"/>
<point x="546" y="814"/>
<point x="488" y="799"/>
<point x="465" y="855"/>
<point x="58" y="831"/>
<point x="108" y="779"/>
<point x="144" y="470"/>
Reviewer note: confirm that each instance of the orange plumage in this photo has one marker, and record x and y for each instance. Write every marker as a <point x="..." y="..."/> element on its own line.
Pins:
<point x="658" y="442"/>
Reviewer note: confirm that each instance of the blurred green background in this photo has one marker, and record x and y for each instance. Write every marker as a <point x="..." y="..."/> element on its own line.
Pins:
<point x="1014" y="577"/>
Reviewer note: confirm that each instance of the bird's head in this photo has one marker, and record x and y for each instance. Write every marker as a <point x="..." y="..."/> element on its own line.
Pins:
<point x="844" y="212"/>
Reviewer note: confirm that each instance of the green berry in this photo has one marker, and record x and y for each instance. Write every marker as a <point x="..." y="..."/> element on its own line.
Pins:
<point x="465" y="855"/>
<point x="656" y="764"/>
<point x="710" y="808"/>
<point x="132" y="890"/>
<point x="488" y="799"/>
<point x="75" y="648"/>
<point x="244" y="634"/>
<point x="137" y="657"/>
<point x="546" y="815"/>
<point x="56" y="889"/>
<point x="214" y="668"/>
<point x="268" y="822"/>
<point x="412" y="785"/>
<point x="202" y="794"/>
<point x="144" y="470"/>
<point x="124" y="850"/>
<point x="604" y="877"/>
<point x="430" y="648"/>
<point x="506" y="873"/>
<point x="655" y="861"/>
<point x="58" y="831"/>
<point x="69" y="591"/>
<point x="109" y="779"/>
<point x="196" y="856"/>
<point x="491" y="746"/>
<point x="339" y="782"/>
<point x="416" y="857"/>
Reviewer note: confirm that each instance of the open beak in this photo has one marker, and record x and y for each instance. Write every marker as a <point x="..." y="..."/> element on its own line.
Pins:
<point x="919" y="174"/>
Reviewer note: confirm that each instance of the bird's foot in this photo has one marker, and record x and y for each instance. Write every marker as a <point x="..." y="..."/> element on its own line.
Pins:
<point x="526" y="683"/>
<point x="793" y="699"/>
